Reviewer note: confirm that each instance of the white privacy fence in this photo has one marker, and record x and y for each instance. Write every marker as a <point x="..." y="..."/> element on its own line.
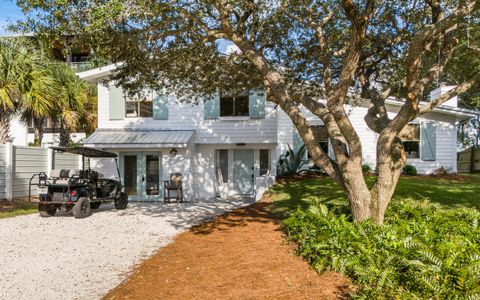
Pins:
<point x="18" y="164"/>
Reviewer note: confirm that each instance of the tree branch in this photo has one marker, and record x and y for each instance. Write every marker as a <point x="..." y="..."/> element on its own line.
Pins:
<point x="450" y="94"/>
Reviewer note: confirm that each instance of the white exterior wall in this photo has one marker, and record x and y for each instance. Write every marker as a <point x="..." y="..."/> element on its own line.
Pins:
<point x="52" y="139"/>
<point x="180" y="163"/>
<point x="187" y="116"/>
<point x="446" y="137"/>
<point x="206" y="185"/>
<point x="19" y="132"/>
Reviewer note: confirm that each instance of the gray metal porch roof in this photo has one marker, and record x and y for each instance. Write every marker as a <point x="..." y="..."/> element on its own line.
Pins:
<point x="142" y="137"/>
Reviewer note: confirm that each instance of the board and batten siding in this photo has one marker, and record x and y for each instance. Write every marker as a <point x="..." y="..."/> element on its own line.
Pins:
<point x="188" y="116"/>
<point x="27" y="161"/>
<point x="445" y="131"/>
<point x="2" y="172"/>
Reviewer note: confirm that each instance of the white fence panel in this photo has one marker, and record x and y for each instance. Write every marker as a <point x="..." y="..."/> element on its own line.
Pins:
<point x="27" y="161"/>
<point x="65" y="161"/>
<point x="3" y="174"/>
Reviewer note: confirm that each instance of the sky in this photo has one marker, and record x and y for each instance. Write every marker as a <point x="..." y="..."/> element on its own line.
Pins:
<point x="9" y="12"/>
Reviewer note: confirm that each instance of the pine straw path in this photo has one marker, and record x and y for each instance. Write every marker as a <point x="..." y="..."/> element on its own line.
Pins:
<point x="239" y="255"/>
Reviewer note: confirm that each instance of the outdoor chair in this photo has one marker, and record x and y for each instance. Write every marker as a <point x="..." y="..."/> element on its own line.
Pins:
<point x="174" y="184"/>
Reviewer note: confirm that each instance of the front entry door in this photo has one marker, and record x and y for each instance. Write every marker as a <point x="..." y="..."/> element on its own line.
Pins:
<point x="243" y="178"/>
<point x="142" y="175"/>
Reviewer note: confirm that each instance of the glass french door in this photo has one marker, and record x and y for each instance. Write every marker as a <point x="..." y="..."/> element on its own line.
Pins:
<point x="142" y="175"/>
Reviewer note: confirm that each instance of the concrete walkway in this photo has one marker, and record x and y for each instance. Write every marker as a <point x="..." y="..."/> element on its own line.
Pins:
<point x="66" y="258"/>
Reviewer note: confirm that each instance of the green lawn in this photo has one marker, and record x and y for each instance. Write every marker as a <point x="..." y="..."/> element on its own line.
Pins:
<point x="427" y="248"/>
<point x="448" y="192"/>
<point x="16" y="208"/>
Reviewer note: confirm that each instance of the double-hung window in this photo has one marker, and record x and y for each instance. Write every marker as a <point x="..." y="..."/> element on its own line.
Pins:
<point x="140" y="105"/>
<point x="234" y="105"/>
<point x="410" y="136"/>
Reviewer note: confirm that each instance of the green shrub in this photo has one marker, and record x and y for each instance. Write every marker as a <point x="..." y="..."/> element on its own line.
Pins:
<point x="292" y="163"/>
<point x="366" y="169"/>
<point x="410" y="170"/>
<point x="422" y="252"/>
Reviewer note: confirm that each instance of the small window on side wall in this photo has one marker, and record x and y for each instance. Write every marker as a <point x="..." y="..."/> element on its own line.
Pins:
<point x="234" y="105"/>
<point x="321" y="136"/>
<point x="264" y="161"/>
<point x="410" y="136"/>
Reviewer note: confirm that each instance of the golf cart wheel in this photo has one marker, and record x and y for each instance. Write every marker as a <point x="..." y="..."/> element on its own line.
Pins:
<point x="122" y="201"/>
<point x="95" y="205"/>
<point x="81" y="208"/>
<point x="46" y="210"/>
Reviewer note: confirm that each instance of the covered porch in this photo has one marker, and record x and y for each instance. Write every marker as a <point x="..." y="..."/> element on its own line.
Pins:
<point x="147" y="159"/>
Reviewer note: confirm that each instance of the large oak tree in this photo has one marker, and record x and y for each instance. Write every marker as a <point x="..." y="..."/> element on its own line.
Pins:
<point x="300" y="51"/>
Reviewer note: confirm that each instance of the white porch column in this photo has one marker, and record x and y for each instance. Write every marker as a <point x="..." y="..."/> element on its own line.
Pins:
<point x="9" y="169"/>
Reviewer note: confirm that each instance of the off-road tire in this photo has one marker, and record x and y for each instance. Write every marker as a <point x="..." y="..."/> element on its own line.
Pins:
<point x="122" y="201"/>
<point x="95" y="205"/>
<point x="82" y="208"/>
<point x="46" y="210"/>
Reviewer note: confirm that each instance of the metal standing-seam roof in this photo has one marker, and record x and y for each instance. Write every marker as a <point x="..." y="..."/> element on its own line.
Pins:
<point x="125" y="137"/>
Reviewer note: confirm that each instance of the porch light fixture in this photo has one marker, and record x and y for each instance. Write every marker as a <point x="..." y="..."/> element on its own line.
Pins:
<point x="173" y="152"/>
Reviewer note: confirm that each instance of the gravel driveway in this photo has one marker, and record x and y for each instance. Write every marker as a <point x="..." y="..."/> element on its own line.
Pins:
<point x="67" y="258"/>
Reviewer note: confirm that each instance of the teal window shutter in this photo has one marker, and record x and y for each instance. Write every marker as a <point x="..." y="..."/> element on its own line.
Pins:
<point x="160" y="106"/>
<point x="116" y="103"/>
<point x="428" y="140"/>
<point x="256" y="104"/>
<point x="297" y="140"/>
<point x="212" y="106"/>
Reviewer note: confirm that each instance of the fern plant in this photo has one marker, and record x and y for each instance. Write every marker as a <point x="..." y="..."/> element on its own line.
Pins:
<point x="422" y="252"/>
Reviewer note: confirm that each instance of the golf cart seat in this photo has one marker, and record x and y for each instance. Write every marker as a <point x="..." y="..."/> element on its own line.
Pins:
<point x="59" y="176"/>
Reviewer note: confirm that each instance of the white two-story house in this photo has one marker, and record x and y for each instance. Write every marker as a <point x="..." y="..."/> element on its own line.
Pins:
<point x="228" y="145"/>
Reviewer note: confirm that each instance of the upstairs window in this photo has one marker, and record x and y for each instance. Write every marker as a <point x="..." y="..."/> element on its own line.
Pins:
<point x="410" y="136"/>
<point x="234" y="105"/>
<point x="139" y="106"/>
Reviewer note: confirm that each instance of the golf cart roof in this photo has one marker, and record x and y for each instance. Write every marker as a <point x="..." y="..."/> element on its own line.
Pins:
<point x="85" y="151"/>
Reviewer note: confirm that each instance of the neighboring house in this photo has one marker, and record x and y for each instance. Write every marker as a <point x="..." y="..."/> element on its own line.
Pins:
<point x="78" y="58"/>
<point x="22" y="134"/>
<point x="228" y="145"/>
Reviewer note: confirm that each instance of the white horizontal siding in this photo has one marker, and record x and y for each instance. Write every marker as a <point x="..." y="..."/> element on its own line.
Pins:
<point x="445" y="137"/>
<point x="187" y="116"/>
<point x="27" y="161"/>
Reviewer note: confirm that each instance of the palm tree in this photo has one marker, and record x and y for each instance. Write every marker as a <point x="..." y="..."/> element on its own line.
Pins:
<point x="25" y="84"/>
<point x="69" y="110"/>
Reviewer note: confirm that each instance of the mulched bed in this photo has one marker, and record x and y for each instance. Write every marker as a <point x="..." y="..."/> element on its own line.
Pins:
<point x="240" y="255"/>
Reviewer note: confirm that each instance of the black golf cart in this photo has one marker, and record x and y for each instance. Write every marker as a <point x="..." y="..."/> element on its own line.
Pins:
<point x="77" y="190"/>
